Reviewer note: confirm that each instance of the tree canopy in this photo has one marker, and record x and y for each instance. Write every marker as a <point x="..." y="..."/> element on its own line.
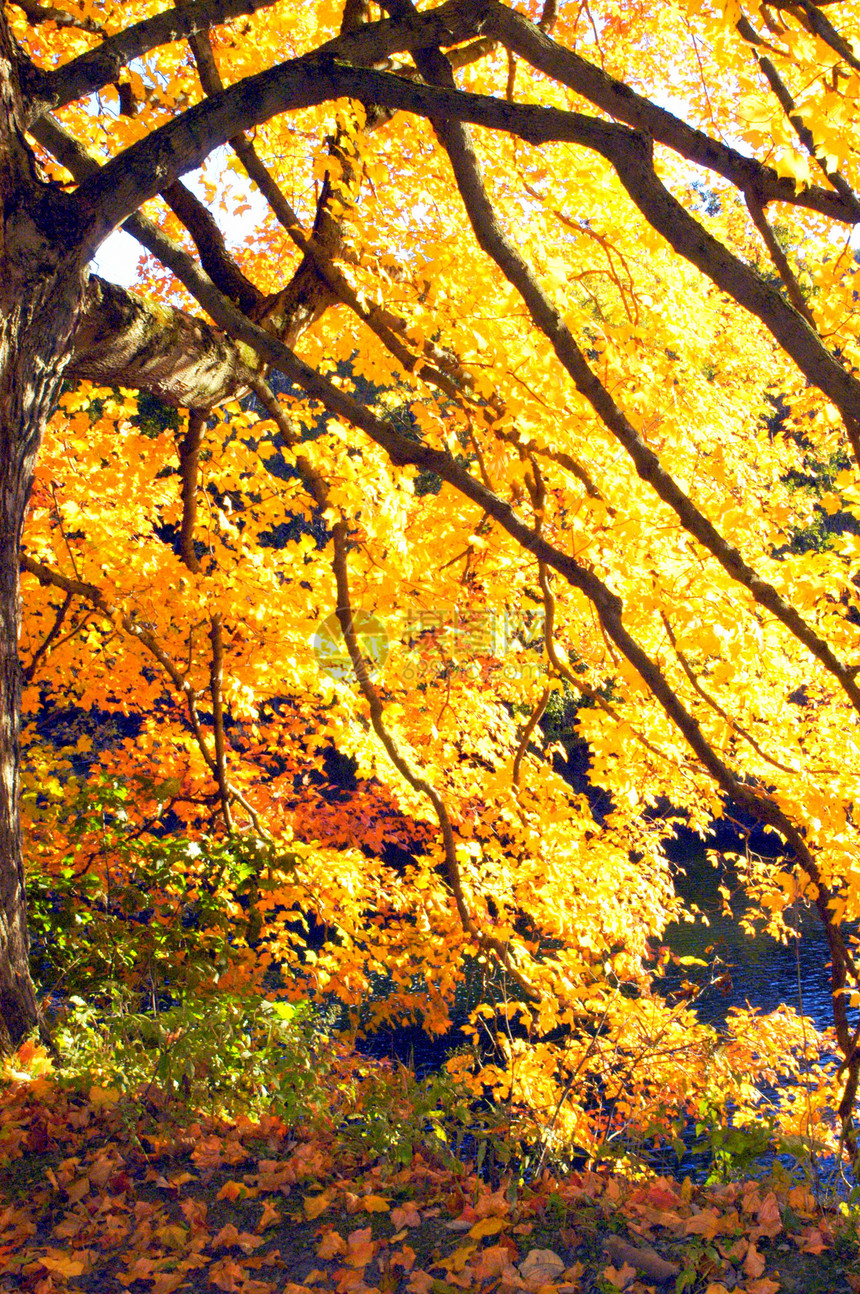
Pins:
<point x="515" y="354"/>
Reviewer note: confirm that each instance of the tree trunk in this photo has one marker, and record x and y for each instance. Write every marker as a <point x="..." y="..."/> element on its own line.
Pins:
<point x="41" y="288"/>
<point x="36" y="319"/>
<point x="18" y="1014"/>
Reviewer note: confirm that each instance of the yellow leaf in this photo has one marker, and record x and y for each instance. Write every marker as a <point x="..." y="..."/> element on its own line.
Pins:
<point x="457" y="1260"/>
<point x="104" y="1096"/>
<point x="487" y="1227"/>
<point x="315" y="1205"/>
<point x="59" y="1265"/>
<point x="373" y="1204"/>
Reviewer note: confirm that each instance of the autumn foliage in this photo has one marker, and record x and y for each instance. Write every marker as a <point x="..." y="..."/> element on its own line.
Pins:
<point x="467" y="493"/>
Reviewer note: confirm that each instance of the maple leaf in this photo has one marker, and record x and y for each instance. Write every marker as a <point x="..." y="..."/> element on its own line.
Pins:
<point x="315" y="1205"/>
<point x="754" y="1263"/>
<point x="420" y="1282"/>
<point x="229" y="1235"/>
<point x="167" y="1282"/>
<point x="102" y="1097"/>
<point x="360" y="1247"/>
<point x="62" y="1265"/>
<point x="170" y="574"/>
<point x="619" y="1277"/>
<point x="226" y="1274"/>
<point x="706" y="1222"/>
<point x="812" y="1241"/>
<point x="487" y="1227"/>
<point x="373" y="1204"/>
<point x="270" y="1215"/>
<point x="403" y="1257"/>
<point x="405" y="1215"/>
<point x="331" y="1245"/>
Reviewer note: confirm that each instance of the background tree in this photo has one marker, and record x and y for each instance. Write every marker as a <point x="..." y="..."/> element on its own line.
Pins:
<point x="509" y="267"/>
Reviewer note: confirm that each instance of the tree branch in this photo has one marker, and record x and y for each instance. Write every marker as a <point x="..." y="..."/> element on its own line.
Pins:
<point x="621" y="102"/>
<point x="549" y="320"/>
<point x="101" y="66"/>
<point x="138" y="173"/>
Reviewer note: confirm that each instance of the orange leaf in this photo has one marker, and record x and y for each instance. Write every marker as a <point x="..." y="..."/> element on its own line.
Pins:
<point x="360" y="1247"/>
<point x="315" y="1205"/>
<point x="103" y="1096"/>
<point x="811" y="1241"/>
<point x="270" y="1215"/>
<point x="457" y="1260"/>
<point x="60" y="1265"/>
<point x="621" y="1276"/>
<point x="167" y="1282"/>
<point x="754" y="1263"/>
<point x="373" y="1204"/>
<point x="706" y="1223"/>
<point x="769" y="1219"/>
<point x="404" y="1258"/>
<point x="227" y="1275"/>
<point x="331" y="1245"/>
<point x="405" y="1215"/>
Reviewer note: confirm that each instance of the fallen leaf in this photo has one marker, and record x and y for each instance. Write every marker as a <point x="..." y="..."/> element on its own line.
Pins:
<point x="360" y="1247"/>
<point x="373" y="1204"/>
<point x="173" y="1235"/>
<point x="405" y="1215"/>
<point x="167" y="1282"/>
<point x="103" y="1096"/>
<point x="541" y="1267"/>
<point x="706" y="1223"/>
<point x="754" y="1263"/>
<point x="456" y="1261"/>
<point x="226" y="1274"/>
<point x="229" y="1236"/>
<point x="60" y="1265"/>
<point x="769" y="1219"/>
<point x="811" y="1241"/>
<point x="404" y="1258"/>
<point x="620" y="1277"/>
<point x="661" y="1196"/>
<point x="331" y="1245"/>
<point x="801" y="1200"/>
<point x="488" y="1227"/>
<point x="270" y="1215"/>
<point x="491" y="1262"/>
<point x="315" y="1205"/>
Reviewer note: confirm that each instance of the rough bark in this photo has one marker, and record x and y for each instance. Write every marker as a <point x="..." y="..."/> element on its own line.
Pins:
<point x="40" y="290"/>
<point x="127" y="340"/>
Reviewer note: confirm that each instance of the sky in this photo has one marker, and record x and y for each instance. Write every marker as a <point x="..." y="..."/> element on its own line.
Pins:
<point x="118" y="258"/>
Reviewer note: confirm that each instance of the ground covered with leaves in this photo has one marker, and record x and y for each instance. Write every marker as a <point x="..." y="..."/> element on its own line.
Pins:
<point x="105" y="1191"/>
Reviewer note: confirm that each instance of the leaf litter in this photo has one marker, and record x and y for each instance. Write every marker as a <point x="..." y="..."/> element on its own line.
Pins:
<point x="100" y="1194"/>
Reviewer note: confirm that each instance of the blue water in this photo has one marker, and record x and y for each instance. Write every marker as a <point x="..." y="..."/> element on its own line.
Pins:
<point x="762" y="973"/>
